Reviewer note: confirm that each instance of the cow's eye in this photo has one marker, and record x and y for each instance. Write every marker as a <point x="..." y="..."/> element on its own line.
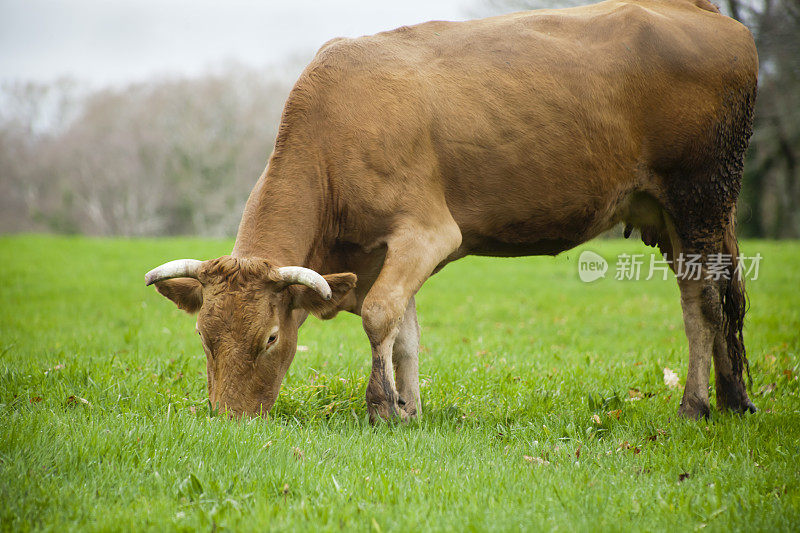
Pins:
<point x="272" y="339"/>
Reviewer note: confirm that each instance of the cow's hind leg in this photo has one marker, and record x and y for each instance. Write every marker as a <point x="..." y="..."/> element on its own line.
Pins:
<point x="405" y="356"/>
<point x="697" y="297"/>
<point x="701" y="303"/>
<point x="699" y="194"/>
<point x="413" y="252"/>
<point x="701" y="310"/>
<point x="713" y="312"/>
<point x="702" y="319"/>
<point x="730" y="358"/>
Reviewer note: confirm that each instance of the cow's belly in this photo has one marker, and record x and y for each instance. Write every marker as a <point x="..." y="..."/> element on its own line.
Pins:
<point x="487" y="246"/>
<point x="530" y="179"/>
<point x="543" y="230"/>
<point x="542" y="205"/>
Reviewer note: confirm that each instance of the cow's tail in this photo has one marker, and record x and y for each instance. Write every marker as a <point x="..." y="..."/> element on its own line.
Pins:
<point x="734" y="304"/>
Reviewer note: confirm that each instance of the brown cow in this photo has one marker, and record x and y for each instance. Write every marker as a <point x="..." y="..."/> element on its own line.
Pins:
<point x="523" y="134"/>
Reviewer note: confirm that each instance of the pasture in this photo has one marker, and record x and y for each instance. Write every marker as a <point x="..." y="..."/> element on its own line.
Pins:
<point x="545" y="406"/>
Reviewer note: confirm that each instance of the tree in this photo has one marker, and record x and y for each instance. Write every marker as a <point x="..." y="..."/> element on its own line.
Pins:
<point x="164" y="157"/>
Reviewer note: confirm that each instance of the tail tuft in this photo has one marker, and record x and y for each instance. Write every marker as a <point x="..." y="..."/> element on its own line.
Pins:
<point x="734" y="305"/>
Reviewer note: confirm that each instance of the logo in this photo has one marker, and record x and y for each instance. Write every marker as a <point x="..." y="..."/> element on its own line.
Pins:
<point x="591" y="266"/>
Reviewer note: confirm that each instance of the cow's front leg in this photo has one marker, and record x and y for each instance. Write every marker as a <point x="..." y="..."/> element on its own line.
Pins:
<point x="411" y="256"/>
<point x="405" y="357"/>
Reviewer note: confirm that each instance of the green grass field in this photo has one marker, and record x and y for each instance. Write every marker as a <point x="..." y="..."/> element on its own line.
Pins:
<point x="544" y="402"/>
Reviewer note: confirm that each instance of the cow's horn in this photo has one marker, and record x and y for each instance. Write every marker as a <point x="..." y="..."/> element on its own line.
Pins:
<point x="305" y="276"/>
<point x="180" y="268"/>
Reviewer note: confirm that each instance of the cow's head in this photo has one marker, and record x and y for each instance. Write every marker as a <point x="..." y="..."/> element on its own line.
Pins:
<point x="248" y="315"/>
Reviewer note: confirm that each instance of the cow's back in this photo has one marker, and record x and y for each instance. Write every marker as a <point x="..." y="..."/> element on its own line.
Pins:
<point x="520" y="119"/>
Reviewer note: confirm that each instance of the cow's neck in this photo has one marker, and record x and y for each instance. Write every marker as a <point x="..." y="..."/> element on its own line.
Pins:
<point x="284" y="218"/>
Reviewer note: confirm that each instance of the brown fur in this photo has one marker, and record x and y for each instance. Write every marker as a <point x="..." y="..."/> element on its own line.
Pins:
<point x="522" y="134"/>
<point x="186" y="293"/>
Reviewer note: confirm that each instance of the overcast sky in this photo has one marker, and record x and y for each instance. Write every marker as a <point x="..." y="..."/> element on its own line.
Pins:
<point x="117" y="41"/>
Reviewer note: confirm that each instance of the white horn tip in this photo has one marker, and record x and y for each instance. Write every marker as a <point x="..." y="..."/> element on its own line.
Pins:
<point x="307" y="277"/>
<point x="179" y="268"/>
<point x="149" y="278"/>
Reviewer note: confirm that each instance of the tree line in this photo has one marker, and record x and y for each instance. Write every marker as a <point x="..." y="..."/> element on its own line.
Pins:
<point x="166" y="157"/>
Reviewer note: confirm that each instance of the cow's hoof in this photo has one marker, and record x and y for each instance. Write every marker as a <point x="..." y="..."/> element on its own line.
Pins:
<point x="386" y="412"/>
<point x="733" y="397"/>
<point x="408" y="410"/>
<point x="744" y="407"/>
<point x="749" y="407"/>
<point x="409" y="414"/>
<point x="694" y="410"/>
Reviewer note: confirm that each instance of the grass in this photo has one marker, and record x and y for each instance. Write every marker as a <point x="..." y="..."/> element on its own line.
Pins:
<point x="545" y="406"/>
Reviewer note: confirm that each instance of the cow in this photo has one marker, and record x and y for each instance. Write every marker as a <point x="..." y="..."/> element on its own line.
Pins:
<point x="522" y="134"/>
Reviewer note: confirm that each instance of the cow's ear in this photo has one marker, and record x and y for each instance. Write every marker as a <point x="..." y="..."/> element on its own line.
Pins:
<point x="342" y="296"/>
<point x="187" y="293"/>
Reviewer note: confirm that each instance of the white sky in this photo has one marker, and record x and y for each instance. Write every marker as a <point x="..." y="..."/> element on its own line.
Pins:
<point x="118" y="41"/>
